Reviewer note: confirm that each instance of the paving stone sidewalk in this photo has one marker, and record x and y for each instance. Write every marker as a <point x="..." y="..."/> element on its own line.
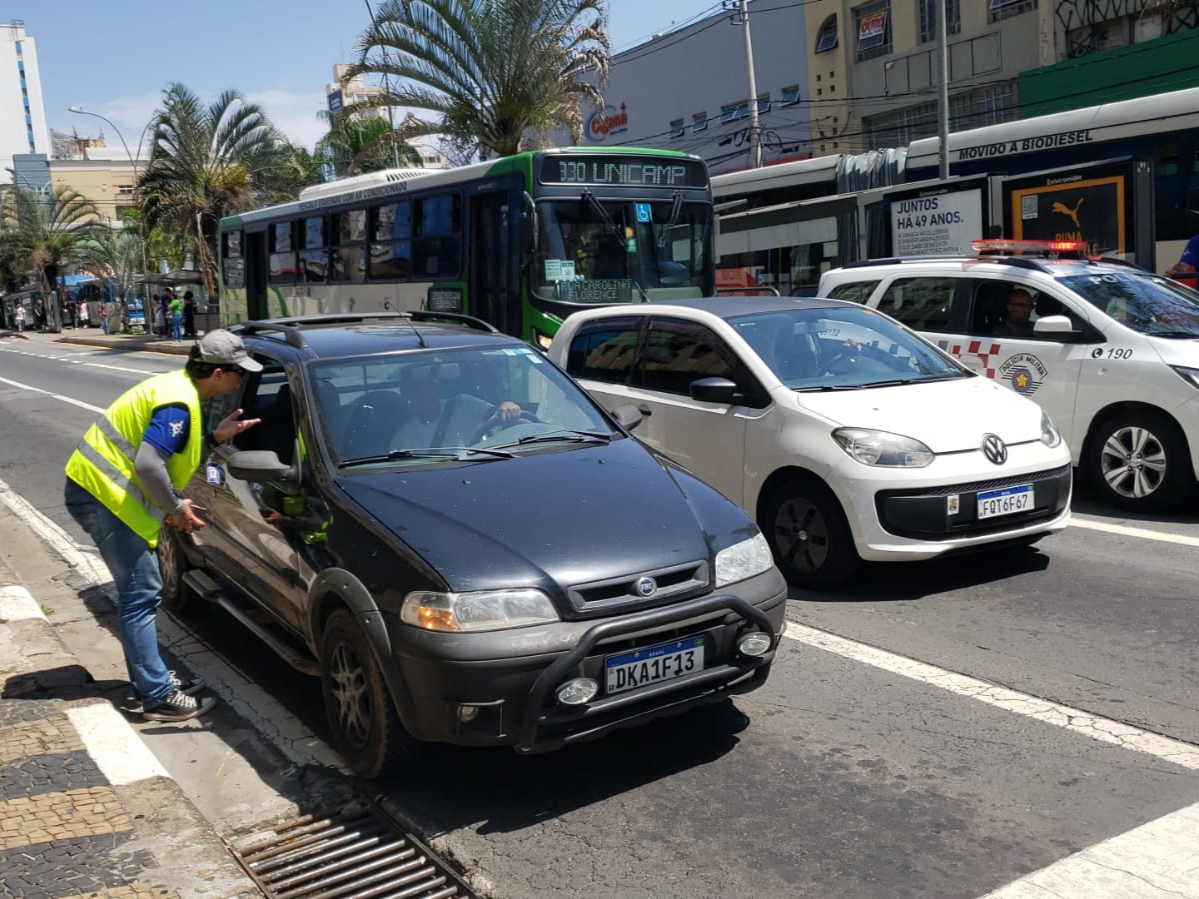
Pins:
<point x="86" y="810"/>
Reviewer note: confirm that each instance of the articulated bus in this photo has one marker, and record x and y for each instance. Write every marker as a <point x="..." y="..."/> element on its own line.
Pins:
<point x="782" y="225"/>
<point x="520" y="242"/>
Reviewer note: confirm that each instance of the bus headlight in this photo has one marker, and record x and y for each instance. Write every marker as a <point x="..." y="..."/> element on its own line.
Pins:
<point x="482" y="610"/>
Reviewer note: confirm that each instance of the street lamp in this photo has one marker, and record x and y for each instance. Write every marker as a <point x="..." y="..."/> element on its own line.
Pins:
<point x="79" y="110"/>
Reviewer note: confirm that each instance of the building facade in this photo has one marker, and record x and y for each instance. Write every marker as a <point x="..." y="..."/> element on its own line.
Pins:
<point x="847" y="76"/>
<point x="22" y="115"/>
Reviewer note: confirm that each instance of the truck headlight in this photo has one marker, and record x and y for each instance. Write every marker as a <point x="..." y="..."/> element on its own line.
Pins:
<point x="1049" y="434"/>
<point x="883" y="449"/>
<point x="481" y="610"/>
<point x="742" y="560"/>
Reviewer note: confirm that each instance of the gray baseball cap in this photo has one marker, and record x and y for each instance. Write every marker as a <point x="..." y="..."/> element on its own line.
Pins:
<point x="224" y="348"/>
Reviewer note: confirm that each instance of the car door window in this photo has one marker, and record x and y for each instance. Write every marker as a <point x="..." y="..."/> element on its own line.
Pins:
<point x="604" y="351"/>
<point x="853" y="291"/>
<point x="921" y="303"/>
<point x="678" y="352"/>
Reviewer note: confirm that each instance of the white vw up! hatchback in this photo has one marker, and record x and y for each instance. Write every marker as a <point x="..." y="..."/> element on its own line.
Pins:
<point x="841" y="432"/>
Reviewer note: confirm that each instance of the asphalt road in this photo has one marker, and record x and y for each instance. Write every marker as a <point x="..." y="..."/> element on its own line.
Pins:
<point x="885" y="763"/>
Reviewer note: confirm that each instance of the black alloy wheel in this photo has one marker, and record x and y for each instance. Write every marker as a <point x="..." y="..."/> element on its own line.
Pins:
<point x="808" y="534"/>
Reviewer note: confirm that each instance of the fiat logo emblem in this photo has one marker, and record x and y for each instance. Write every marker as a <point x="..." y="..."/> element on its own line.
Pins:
<point x="646" y="586"/>
<point x="994" y="449"/>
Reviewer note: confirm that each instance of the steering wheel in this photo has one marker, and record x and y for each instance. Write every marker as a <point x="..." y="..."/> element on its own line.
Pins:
<point x="494" y="423"/>
<point x="845" y="356"/>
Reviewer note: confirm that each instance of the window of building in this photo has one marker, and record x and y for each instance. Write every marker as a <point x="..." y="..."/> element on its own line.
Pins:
<point x="677" y="128"/>
<point x="763" y="103"/>
<point x="734" y="111"/>
<point x="872" y="25"/>
<point x="989" y="105"/>
<point x="926" y="11"/>
<point x="790" y="95"/>
<point x="699" y="121"/>
<point x="1005" y="9"/>
<point x="826" y="37"/>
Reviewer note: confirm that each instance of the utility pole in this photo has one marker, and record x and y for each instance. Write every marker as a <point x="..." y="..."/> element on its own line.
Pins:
<point x="741" y="8"/>
<point x="942" y="7"/>
<point x="395" y="150"/>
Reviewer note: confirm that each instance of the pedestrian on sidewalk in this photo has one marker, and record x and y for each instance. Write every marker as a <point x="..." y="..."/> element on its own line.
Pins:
<point x="123" y="483"/>
<point x="177" y="319"/>
<point x="189" y="315"/>
<point x="83" y="313"/>
<point x="104" y="317"/>
<point x="19" y="315"/>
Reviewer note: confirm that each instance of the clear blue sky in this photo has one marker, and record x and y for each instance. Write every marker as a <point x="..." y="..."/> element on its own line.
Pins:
<point x="116" y="58"/>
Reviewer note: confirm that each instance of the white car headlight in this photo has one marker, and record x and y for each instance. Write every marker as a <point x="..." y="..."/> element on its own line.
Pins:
<point x="482" y="610"/>
<point x="1049" y="433"/>
<point x="743" y="560"/>
<point x="883" y="448"/>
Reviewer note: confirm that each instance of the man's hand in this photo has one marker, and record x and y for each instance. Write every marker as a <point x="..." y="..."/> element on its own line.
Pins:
<point x="187" y="520"/>
<point x="506" y="411"/>
<point x="232" y="425"/>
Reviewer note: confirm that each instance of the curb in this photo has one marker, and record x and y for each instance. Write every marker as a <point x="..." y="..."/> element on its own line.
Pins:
<point x="85" y="807"/>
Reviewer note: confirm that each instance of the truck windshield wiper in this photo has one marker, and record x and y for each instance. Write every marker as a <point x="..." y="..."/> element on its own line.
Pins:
<point x="456" y="452"/>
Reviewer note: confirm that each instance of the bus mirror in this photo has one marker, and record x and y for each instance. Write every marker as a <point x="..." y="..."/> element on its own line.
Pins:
<point x="528" y="226"/>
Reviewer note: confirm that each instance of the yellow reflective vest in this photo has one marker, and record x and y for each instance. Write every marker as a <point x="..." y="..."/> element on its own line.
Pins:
<point x="103" y="463"/>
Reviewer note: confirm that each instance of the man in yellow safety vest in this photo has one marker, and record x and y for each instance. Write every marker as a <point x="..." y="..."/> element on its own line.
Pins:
<point x="124" y="481"/>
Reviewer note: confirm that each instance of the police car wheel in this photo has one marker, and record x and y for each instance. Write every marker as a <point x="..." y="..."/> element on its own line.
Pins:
<point x="809" y="535"/>
<point x="366" y="729"/>
<point x="1139" y="461"/>
<point x="176" y="594"/>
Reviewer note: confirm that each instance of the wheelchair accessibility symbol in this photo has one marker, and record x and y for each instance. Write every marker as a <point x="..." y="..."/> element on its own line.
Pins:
<point x="643" y="213"/>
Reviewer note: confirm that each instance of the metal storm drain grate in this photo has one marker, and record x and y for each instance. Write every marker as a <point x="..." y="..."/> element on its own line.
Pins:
<point x="356" y="852"/>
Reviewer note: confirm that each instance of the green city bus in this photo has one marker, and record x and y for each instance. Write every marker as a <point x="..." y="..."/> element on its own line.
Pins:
<point x="520" y="242"/>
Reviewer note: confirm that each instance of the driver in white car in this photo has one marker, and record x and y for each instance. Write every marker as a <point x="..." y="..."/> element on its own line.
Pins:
<point x="433" y="420"/>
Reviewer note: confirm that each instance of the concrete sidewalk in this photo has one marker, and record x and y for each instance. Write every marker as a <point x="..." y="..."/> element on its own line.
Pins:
<point x="96" y="337"/>
<point x="85" y="807"/>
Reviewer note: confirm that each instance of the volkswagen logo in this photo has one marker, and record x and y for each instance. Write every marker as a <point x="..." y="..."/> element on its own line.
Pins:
<point x="646" y="586"/>
<point x="994" y="449"/>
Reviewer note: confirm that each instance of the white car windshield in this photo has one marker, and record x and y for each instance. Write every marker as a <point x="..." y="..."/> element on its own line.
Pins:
<point x="1144" y="302"/>
<point x="842" y="348"/>
<point x="434" y="406"/>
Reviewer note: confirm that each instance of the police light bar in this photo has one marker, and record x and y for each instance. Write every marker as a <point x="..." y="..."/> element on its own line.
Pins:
<point x="1028" y="246"/>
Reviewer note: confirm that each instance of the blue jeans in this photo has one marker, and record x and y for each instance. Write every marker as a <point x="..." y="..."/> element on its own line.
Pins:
<point x="177" y="325"/>
<point x="136" y="575"/>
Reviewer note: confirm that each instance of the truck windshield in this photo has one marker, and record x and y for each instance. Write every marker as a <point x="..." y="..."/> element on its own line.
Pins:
<point x="594" y="251"/>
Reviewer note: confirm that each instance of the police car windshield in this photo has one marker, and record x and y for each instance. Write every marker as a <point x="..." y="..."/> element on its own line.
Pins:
<point x="1146" y="303"/>
<point x="842" y="348"/>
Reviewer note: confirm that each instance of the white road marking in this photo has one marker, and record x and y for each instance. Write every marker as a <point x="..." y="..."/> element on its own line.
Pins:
<point x="1088" y="724"/>
<point x="55" y="396"/>
<point x="18" y="604"/>
<point x="272" y="719"/>
<point x="114" y="745"/>
<point x="1125" y="531"/>
<point x="1154" y="861"/>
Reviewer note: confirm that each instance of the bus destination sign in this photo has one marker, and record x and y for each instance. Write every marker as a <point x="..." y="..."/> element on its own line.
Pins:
<point x="616" y="171"/>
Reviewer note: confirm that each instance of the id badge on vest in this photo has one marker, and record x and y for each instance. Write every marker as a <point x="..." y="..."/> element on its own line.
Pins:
<point x="214" y="473"/>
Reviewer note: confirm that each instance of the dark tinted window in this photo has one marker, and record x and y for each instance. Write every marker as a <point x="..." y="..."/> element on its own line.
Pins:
<point x="679" y="352"/>
<point x="922" y="303"/>
<point x="604" y="351"/>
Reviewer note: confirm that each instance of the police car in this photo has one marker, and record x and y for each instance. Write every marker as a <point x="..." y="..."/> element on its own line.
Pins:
<point x="1109" y="350"/>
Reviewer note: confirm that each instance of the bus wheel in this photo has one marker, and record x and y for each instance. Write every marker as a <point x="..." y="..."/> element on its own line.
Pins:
<point x="808" y="534"/>
<point x="1139" y="461"/>
<point x="176" y="595"/>
<point x="366" y="729"/>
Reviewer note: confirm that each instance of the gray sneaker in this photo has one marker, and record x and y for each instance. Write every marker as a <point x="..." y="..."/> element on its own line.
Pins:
<point x="190" y="687"/>
<point x="179" y="707"/>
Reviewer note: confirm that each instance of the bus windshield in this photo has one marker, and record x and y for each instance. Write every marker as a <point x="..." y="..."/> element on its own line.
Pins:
<point x="593" y="251"/>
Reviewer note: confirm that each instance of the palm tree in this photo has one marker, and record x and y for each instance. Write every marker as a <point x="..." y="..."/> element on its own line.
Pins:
<point x="206" y="162"/>
<point x="356" y="146"/>
<point x="488" y="70"/>
<point x="48" y="230"/>
<point x="116" y="254"/>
